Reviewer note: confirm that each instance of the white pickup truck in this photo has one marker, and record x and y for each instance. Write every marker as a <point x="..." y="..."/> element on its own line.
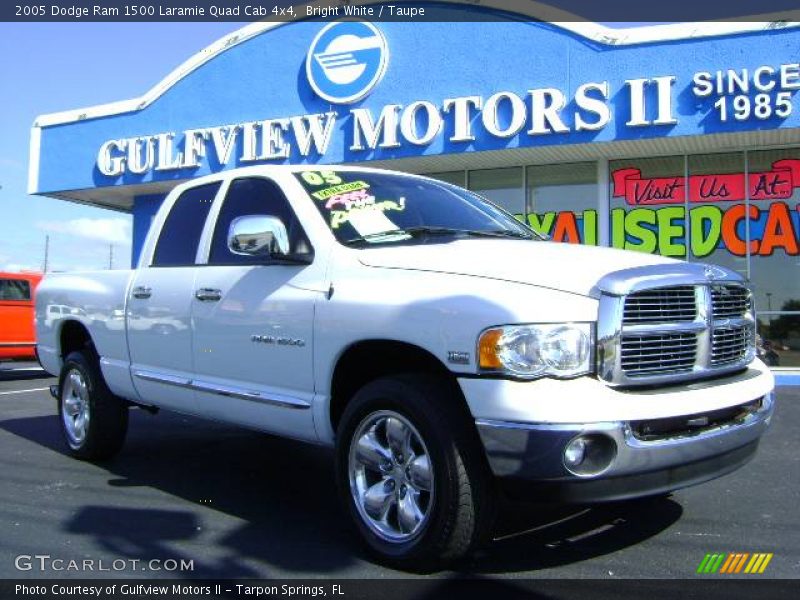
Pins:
<point x="442" y="347"/>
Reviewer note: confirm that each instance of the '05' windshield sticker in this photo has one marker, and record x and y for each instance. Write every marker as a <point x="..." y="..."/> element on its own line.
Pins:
<point x="318" y="178"/>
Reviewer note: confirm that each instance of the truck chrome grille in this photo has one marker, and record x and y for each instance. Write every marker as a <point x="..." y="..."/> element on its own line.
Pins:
<point x="675" y="332"/>
<point x="729" y="301"/>
<point x="659" y="353"/>
<point x="660" y="305"/>
<point x="729" y="345"/>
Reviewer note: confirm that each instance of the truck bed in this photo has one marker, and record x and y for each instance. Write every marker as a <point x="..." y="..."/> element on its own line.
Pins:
<point x="96" y="299"/>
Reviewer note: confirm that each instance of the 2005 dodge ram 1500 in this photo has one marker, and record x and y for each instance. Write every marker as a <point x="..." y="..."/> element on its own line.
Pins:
<point x="443" y="348"/>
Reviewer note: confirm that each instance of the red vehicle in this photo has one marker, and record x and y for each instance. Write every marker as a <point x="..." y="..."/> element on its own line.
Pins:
<point x="17" y="336"/>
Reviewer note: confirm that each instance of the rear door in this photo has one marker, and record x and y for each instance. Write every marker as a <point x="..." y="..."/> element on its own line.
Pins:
<point x="158" y="316"/>
<point x="253" y="321"/>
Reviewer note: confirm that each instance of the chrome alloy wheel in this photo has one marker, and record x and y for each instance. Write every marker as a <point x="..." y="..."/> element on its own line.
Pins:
<point x="75" y="411"/>
<point x="391" y="479"/>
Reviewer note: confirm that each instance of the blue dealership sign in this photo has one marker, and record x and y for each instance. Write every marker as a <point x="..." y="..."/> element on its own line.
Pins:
<point x="324" y="93"/>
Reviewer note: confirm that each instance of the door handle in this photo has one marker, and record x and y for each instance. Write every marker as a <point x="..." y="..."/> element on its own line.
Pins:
<point x="208" y="295"/>
<point x="142" y="292"/>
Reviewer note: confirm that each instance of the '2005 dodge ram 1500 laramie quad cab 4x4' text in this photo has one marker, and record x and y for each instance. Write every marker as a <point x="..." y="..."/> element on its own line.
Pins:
<point x="440" y="345"/>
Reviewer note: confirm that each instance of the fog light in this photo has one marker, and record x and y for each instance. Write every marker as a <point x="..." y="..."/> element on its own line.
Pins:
<point x="589" y="454"/>
<point x="575" y="452"/>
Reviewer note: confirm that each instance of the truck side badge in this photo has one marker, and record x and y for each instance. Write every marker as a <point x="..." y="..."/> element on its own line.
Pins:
<point x="459" y="358"/>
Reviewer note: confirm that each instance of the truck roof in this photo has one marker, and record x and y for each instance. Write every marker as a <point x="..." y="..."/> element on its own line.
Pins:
<point x="274" y="170"/>
<point x="32" y="276"/>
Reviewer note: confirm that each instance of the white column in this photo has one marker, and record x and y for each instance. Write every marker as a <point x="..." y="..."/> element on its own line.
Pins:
<point x="603" y="210"/>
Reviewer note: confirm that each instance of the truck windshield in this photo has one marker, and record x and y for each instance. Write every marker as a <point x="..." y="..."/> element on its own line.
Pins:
<point x="363" y="208"/>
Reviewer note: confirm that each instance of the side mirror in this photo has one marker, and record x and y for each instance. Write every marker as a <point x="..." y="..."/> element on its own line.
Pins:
<point x="258" y="235"/>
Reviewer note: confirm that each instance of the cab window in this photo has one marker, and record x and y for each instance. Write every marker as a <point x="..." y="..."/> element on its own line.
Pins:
<point x="180" y="235"/>
<point x="15" y="289"/>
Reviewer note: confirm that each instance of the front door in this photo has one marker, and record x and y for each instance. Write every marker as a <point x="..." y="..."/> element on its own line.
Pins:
<point x="253" y="322"/>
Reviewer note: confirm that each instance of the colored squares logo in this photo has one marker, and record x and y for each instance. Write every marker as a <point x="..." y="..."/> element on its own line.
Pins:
<point x="735" y="562"/>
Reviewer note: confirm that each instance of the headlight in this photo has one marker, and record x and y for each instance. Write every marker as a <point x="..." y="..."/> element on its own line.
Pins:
<point x="530" y="351"/>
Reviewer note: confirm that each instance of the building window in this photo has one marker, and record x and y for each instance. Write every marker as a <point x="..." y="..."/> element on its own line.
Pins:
<point x="458" y="178"/>
<point x="501" y="186"/>
<point x="648" y="205"/>
<point x="717" y="216"/>
<point x="744" y="214"/>
<point x="774" y="248"/>
<point x="562" y="201"/>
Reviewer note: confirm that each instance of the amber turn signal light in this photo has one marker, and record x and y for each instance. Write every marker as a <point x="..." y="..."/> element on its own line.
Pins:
<point x="487" y="349"/>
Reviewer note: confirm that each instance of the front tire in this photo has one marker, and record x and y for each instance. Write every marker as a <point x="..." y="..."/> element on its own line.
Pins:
<point x="411" y="472"/>
<point x="94" y="421"/>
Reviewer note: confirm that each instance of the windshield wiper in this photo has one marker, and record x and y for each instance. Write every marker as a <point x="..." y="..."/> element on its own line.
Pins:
<point x="501" y="233"/>
<point x="469" y="232"/>
<point x="430" y="230"/>
<point x="396" y="234"/>
<point x="374" y="237"/>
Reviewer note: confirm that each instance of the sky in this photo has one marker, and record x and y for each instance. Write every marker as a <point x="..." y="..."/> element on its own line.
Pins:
<point x="52" y="67"/>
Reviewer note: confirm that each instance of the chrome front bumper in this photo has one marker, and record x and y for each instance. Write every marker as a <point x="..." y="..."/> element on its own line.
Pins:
<point x="527" y="456"/>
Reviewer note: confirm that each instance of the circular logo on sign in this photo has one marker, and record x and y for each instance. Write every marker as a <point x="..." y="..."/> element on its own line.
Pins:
<point x="346" y="60"/>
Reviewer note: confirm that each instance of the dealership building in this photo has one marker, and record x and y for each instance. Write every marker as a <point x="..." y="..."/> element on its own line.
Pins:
<point x="681" y="139"/>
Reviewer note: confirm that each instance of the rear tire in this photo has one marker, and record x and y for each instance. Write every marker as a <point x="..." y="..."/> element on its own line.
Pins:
<point x="412" y="474"/>
<point x="94" y="421"/>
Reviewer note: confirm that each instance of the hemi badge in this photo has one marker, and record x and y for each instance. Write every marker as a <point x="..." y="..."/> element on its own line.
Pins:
<point x="459" y="358"/>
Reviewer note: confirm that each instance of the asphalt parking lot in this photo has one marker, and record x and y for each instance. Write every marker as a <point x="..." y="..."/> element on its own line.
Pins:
<point x="246" y="505"/>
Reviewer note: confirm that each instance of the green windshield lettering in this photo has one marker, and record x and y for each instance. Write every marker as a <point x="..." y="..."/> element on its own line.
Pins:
<point x="340" y="189"/>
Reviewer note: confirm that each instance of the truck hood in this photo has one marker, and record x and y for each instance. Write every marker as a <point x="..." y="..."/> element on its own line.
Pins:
<point x="565" y="267"/>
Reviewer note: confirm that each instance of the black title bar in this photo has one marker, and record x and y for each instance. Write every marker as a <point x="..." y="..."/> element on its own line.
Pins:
<point x="397" y="10"/>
